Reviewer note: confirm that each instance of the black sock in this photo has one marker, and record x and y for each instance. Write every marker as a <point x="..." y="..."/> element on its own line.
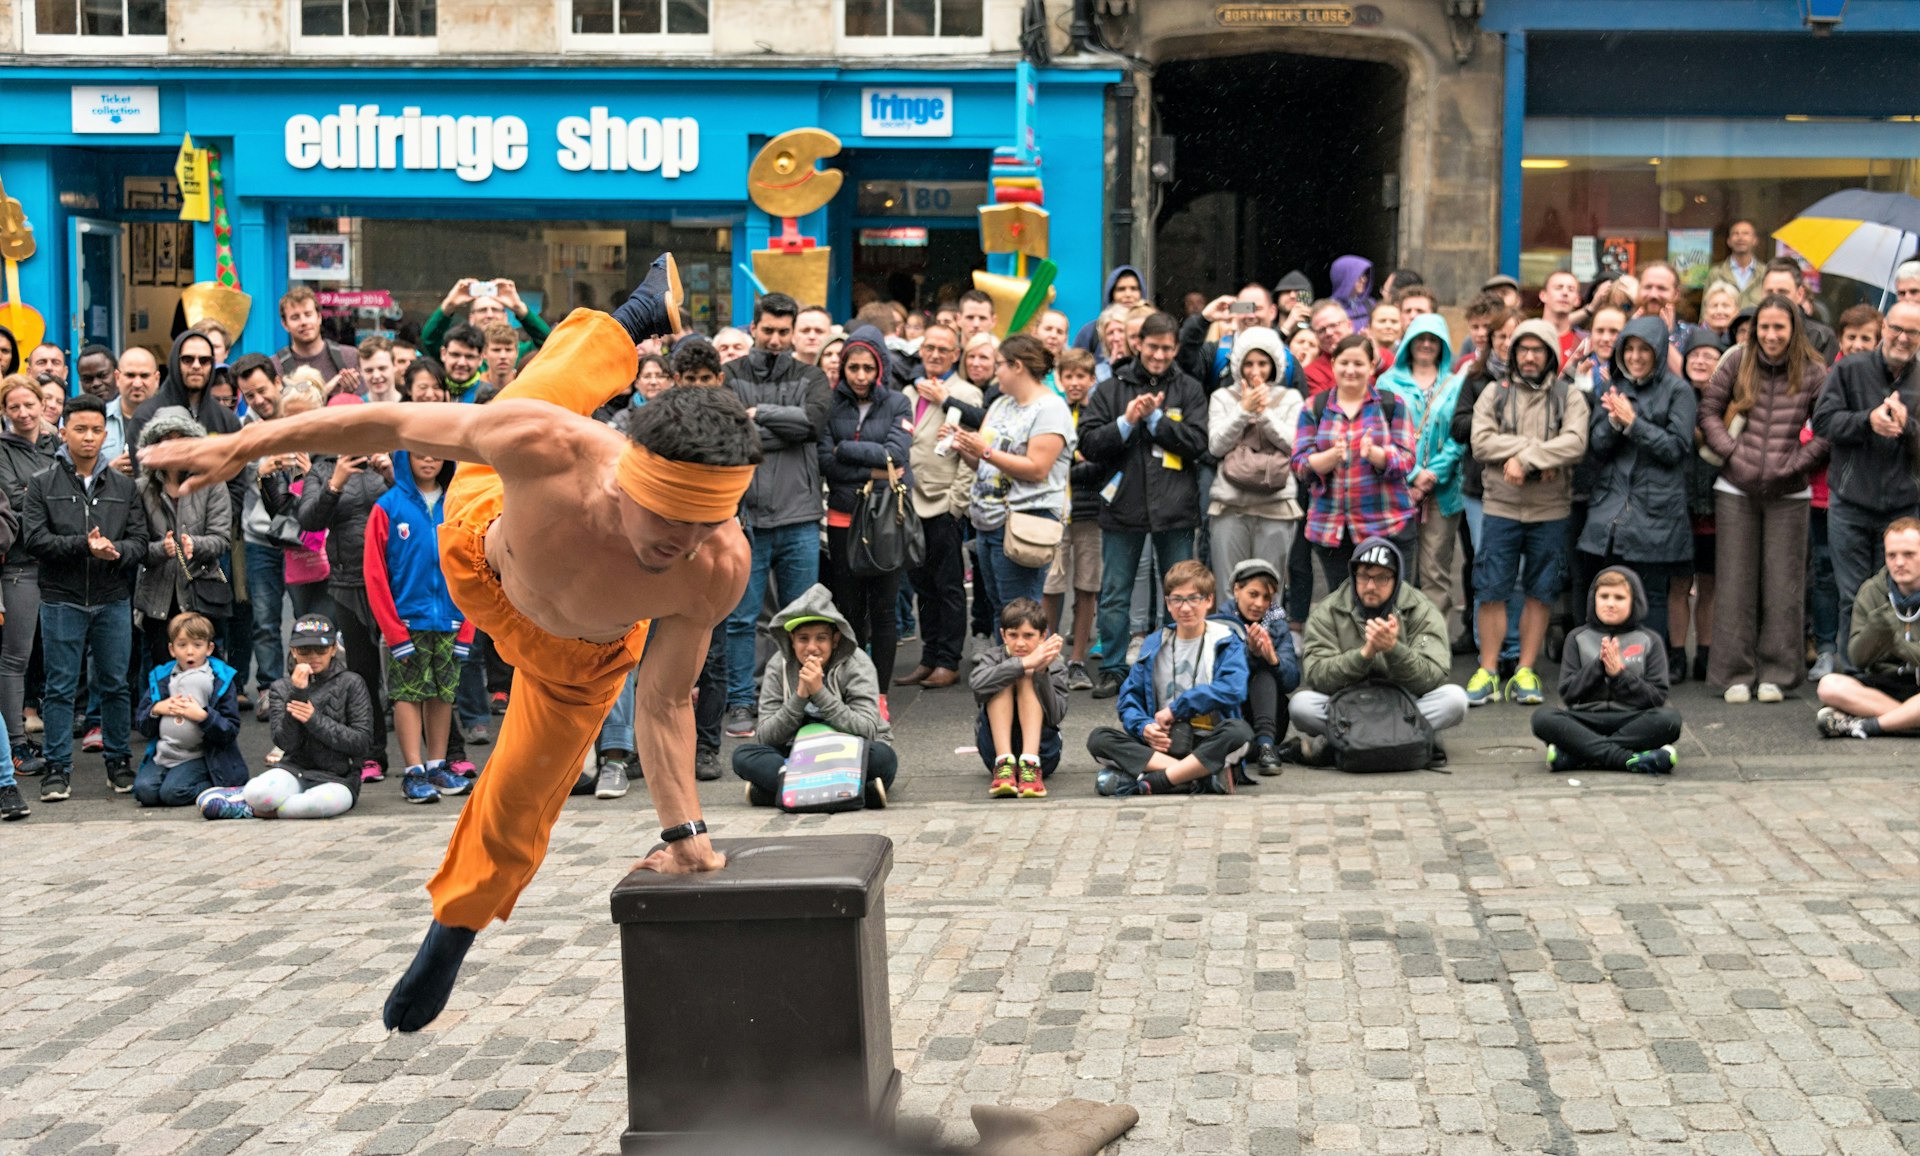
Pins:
<point x="1870" y="727"/>
<point x="1156" y="783"/>
<point x="422" y="992"/>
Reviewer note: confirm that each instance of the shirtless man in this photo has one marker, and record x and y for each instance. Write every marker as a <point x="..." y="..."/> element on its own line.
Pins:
<point x="608" y="546"/>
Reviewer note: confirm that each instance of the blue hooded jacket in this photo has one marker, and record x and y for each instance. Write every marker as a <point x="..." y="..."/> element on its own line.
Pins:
<point x="226" y="766"/>
<point x="405" y="585"/>
<point x="1089" y="336"/>
<point x="1431" y="412"/>
<point x="1220" y="697"/>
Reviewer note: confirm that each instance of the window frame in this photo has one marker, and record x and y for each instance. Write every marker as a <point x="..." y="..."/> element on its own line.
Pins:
<point x="910" y="45"/>
<point x="82" y="44"/>
<point x="628" y="43"/>
<point x="348" y="45"/>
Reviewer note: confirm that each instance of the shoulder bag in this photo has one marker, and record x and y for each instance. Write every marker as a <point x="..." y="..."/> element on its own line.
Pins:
<point x="885" y="535"/>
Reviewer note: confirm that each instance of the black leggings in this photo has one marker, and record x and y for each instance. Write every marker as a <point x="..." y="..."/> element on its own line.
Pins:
<point x="1266" y="706"/>
<point x="868" y="602"/>
<point x="1606" y="739"/>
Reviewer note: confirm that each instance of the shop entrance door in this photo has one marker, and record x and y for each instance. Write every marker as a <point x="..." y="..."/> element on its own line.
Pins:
<point x="98" y="313"/>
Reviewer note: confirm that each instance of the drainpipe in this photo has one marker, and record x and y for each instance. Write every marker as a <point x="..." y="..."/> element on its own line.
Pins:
<point x="1120" y="217"/>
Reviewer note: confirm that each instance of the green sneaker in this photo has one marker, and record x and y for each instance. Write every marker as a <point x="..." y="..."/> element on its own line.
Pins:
<point x="1659" y="761"/>
<point x="1524" y="687"/>
<point x="1483" y="687"/>
<point x="1558" y="760"/>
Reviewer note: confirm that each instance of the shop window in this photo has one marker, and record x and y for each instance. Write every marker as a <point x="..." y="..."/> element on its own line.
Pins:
<point x="359" y="20"/>
<point x="401" y="269"/>
<point x="96" y="26"/>
<point x="944" y="24"/>
<point x="1589" y="213"/>
<point x="638" y="18"/>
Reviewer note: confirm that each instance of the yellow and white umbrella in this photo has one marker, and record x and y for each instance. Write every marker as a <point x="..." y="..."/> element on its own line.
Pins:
<point x="1856" y="233"/>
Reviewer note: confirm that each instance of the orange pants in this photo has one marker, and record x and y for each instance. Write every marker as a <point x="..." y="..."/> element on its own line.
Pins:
<point x="562" y="688"/>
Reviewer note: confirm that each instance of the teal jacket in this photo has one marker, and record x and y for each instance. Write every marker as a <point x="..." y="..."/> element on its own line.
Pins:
<point x="1431" y="413"/>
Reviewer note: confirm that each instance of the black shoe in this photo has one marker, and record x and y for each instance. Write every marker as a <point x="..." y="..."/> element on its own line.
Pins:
<point x="13" y="807"/>
<point x="56" y="786"/>
<point x="28" y="760"/>
<point x="1677" y="664"/>
<point x="740" y="722"/>
<point x="1439" y="760"/>
<point x="1699" y="664"/>
<point x="1108" y="686"/>
<point x="1240" y="776"/>
<point x="1506" y="667"/>
<point x="654" y="308"/>
<point x="757" y="797"/>
<point x="584" y="785"/>
<point x="422" y="992"/>
<point x="706" y="765"/>
<point x="120" y="774"/>
<point x="1266" y="759"/>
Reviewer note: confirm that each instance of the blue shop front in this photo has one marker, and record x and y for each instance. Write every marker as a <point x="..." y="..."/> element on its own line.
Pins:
<point x="380" y="188"/>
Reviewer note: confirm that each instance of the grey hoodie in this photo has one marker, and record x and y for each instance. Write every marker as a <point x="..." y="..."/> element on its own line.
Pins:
<point x="849" y="697"/>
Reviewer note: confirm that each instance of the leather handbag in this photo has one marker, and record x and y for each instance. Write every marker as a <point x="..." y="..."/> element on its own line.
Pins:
<point x="885" y="535"/>
<point x="1032" y="540"/>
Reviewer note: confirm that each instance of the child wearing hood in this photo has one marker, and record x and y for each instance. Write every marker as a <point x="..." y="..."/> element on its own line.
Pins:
<point x="1253" y="502"/>
<point x="817" y="675"/>
<point x="1273" y="669"/>
<point x="426" y="635"/>
<point x="1613" y="680"/>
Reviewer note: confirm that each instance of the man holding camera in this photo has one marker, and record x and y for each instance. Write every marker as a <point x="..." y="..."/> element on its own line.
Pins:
<point x="487" y="303"/>
<point x="1206" y="361"/>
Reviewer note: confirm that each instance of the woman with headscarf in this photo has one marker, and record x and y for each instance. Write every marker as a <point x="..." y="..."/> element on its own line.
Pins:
<point x="1751" y="415"/>
<point x="1125" y="288"/>
<point x="1352" y="280"/>
<point x="186" y="537"/>
<point x="869" y="429"/>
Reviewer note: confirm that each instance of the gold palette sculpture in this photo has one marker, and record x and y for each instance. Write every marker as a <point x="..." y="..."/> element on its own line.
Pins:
<point x="784" y="183"/>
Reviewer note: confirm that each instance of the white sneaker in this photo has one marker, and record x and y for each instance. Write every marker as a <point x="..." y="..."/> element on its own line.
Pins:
<point x="1739" y="693"/>
<point x="1768" y="692"/>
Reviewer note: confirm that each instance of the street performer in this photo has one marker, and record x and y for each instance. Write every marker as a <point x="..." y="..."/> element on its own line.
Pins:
<point x="578" y="551"/>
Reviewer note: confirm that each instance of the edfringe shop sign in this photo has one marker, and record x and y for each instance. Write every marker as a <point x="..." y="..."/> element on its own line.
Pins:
<point x="474" y="147"/>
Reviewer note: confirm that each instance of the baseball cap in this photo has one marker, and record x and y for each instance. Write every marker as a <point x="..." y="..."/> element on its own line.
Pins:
<point x="805" y="619"/>
<point x="314" y="630"/>
<point x="1499" y="281"/>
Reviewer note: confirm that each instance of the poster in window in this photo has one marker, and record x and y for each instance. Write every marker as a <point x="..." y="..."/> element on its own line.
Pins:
<point x="1616" y="254"/>
<point x="1690" y="252"/>
<point x="1586" y="260"/>
<point x="183" y="252"/>
<point x="166" y="256"/>
<point x="318" y="257"/>
<point x="140" y="242"/>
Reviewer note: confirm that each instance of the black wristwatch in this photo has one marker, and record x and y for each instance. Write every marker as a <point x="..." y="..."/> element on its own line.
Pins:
<point x="684" y="831"/>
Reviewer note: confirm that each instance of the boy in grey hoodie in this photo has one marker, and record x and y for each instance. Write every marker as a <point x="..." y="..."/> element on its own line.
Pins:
<point x="819" y="675"/>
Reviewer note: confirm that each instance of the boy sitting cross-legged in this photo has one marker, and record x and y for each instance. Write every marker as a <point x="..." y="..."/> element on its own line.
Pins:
<point x="1613" y="680"/>
<point x="1180" y="704"/>
<point x="1021" y="686"/>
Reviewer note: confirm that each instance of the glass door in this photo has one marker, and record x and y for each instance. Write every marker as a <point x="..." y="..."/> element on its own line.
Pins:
<point x="97" y="293"/>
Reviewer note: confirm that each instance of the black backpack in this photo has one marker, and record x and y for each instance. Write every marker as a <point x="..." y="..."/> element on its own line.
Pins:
<point x="1377" y="726"/>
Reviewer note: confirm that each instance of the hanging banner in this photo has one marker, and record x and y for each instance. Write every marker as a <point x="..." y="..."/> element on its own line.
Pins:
<point x="190" y="169"/>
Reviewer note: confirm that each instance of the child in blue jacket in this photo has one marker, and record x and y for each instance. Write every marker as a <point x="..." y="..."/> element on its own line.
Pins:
<point x="1180" y="705"/>
<point x="425" y="632"/>
<point x="191" y="712"/>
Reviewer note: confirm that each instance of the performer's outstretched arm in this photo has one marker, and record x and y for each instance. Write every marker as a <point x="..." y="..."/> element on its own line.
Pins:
<point x="507" y="433"/>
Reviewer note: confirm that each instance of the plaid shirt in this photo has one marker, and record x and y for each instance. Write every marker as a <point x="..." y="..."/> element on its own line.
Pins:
<point x="1356" y="500"/>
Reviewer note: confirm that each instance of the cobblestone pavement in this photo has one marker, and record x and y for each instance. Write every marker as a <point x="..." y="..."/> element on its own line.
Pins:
<point x="1491" y="961"/>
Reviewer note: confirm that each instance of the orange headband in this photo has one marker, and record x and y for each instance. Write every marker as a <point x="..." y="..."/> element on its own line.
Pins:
<point x="682" y="491"/>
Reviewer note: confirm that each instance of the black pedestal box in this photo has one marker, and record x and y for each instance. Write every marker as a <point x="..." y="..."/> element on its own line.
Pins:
<point x="756" y="995"/>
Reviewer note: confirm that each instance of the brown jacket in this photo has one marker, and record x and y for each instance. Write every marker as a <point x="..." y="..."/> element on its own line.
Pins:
<point x="1768" y="459"/>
